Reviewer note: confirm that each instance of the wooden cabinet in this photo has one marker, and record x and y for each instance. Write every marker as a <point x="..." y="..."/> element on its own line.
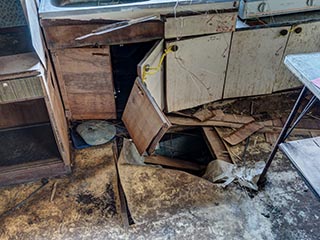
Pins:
<point x="303" y="38"/>
<point x="254" y="60"/>
<point x="86" y="84"/>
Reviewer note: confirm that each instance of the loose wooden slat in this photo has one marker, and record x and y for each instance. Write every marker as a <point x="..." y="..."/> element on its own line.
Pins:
<point x="174" y="163"/>
<point x="216" y="145"/>
<point x="143" y="118"/>
<point x="241" y="134"/>
<point x="183" y="121"/>
<point x="203" y="114"/>
<point x="234" y="118"/>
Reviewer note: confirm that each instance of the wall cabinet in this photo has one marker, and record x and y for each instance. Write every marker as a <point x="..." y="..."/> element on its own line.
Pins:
<point x="85" y="80"/>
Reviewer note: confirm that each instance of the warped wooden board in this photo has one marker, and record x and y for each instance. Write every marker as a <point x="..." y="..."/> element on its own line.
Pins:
<point x="307" y="41"/>
<point x="242" y="133"/>
<point x="254" y="59"/>
<point x="305" y="156"/>
<point x="86" y="83"/>
<point x="56" y="113"/>
<point x="196" y="71"/>
<point x="216" y="145"/>
<point x="154" y="82"/>
<point x="184" y="121"/>
<point x="199" y="24"/>
<point x="18" y="66"/>
<point x="143" y="118"/>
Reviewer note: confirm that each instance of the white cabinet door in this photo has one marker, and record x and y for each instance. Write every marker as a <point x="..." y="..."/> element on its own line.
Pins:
<point x="304" y="38"/>
<point x="195" y="72"/>
<point x="254" y="58"/>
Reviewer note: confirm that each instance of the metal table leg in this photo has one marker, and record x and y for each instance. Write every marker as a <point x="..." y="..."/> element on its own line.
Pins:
<point x="284" y="132"/>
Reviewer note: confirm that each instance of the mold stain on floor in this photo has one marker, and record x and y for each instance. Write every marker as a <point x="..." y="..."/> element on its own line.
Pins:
<point x="86" y="206"/>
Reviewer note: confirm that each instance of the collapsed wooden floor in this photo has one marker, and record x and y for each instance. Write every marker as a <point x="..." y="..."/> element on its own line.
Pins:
<point x="165" y="203"/>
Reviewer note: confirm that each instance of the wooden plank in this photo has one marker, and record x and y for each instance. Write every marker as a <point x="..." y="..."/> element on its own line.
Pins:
<point x="233" y="118"/>
<point x="35" y="30"/>
<point x="20" y="90"/>
<point x="173" y="163"/>
<point x="177" y="27"/>
<point x="304" y="42"/>
<point x="196" y="71"/>
<point x="254" y="59"/>
<point x="32" y="172"/>
<point x="56" y="113"/>
<point x="305" y="156"/>
<point x="216" y="145"/>
<point x="183" y="121"/>
<point x="23" y="113"/>
<point x="86" y="82"/>
<point x="154" y="82"/>
<point x="143" y="118"/>
<point x="203" y="114"/>
<point x="64" y="36"/>
<point x="243" y="133"/>
<point x="18" y="66"/>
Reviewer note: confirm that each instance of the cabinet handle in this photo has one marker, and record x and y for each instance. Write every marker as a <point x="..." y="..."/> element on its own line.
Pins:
<point x="284" y="32"/>
<point x="298" y="30"/>
<point x="262" y="7"/>
<point x="5" y="85"/>
<point x="310" y="3"/>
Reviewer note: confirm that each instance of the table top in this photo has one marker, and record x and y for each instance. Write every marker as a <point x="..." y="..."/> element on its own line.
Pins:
<point x="306" y="67"/>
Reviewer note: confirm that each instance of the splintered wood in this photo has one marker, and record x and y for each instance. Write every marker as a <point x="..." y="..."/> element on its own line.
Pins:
<point x="241" y="134"/>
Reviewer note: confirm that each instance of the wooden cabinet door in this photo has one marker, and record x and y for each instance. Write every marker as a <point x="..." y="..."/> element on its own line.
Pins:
<point x="254" y="59"/>
<point x="195" y="72"/>
<point x="144" y="119"/>
<point x="85" y="79"/>
<point x="303" y="38"/>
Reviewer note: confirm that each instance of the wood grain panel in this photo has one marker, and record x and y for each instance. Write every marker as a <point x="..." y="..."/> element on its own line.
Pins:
<point x="199" y="24"/>
<point x="307" y="41"/>
<point x="64" y="36"/>
<point x="23" y="113"/>
<point x="143" y="118"/>
<point x="86" y="83"/>
<point x="20" y="89"/>
<point x="254" y="59"/>
<point x="196" y="71"/>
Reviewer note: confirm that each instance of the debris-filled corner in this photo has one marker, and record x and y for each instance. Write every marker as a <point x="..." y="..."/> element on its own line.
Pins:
<point x="159" y="119"/>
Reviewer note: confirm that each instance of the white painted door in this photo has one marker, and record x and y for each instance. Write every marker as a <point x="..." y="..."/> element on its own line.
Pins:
<point x="195" y="72"/>
<point x="304" y="38"/>
<point x="255" y="56"/>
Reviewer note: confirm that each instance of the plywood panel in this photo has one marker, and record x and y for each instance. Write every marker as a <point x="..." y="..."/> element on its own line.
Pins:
<point x="23" y="113"/>
<point x="196" y="71"/>
<point x="199" y="24"/>
<point x="254" y="59"/>
<point x="306" y="41"/>
<point x="155" y="81"/>
<point x="20" y="90"/>
<point x="143" y="118"/>
<point x="85" y="79"/>
<point x="56" y="113"/>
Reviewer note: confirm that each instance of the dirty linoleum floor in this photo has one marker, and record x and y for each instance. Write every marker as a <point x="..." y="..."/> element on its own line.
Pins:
<point x="86" y="206"/>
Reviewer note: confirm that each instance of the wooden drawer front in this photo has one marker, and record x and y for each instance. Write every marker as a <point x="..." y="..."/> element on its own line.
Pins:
<point x="200" y="24"/>
<point x="86" y="83"/>
<point x="20" y="89"/>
